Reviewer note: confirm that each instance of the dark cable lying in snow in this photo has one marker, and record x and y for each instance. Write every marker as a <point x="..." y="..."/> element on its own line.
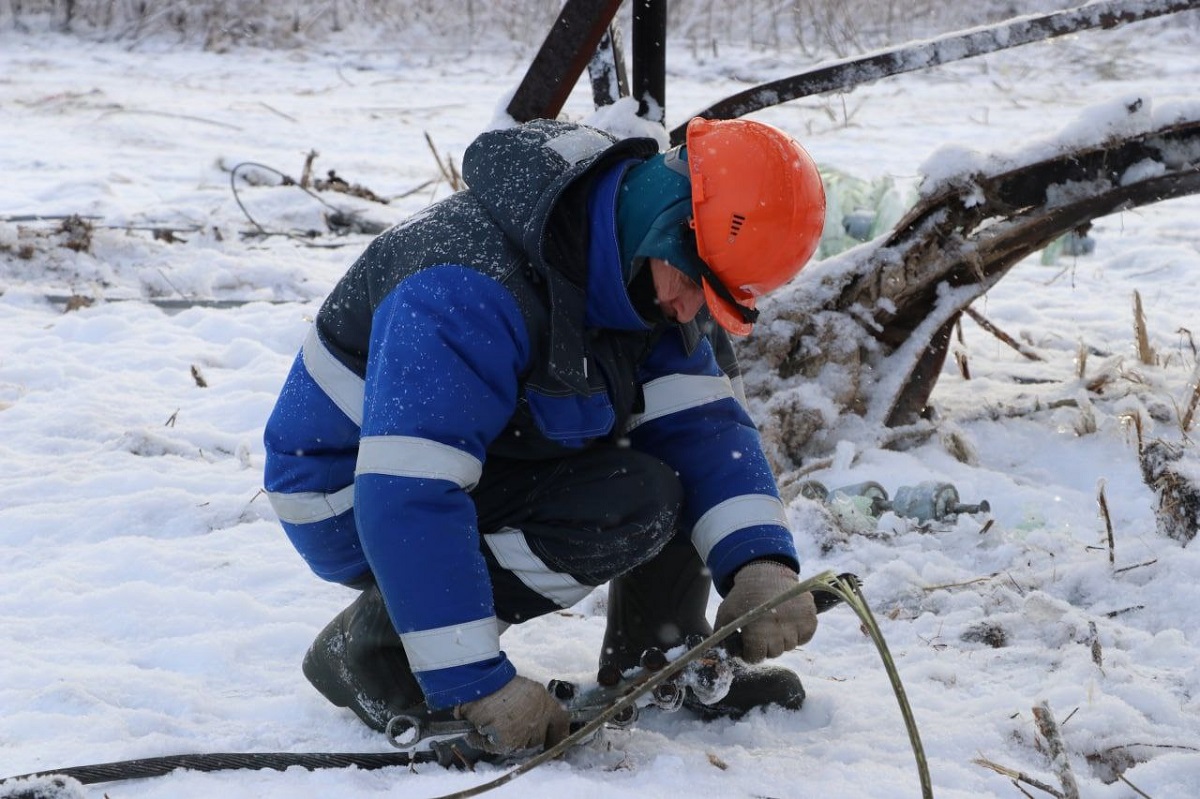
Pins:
<point x="222" y="761"/>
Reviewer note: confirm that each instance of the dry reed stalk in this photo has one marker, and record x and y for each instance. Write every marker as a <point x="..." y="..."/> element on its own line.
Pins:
<point x="1145" y="351"/>
<point x="1133" y="787"/>
<point x="1097" y="650"/>
<point x="1000" y="334"/>
<point x="447" y="168"/>
<point x="1189" y="413"/>
<point x="1124" y="569"/>
<point x="1108" y="525"/>
<point x="1135" y="418"/>
<point x="1018" y="776"/>
<point x="1058" y="752"/>
<point x="307" y="170"/>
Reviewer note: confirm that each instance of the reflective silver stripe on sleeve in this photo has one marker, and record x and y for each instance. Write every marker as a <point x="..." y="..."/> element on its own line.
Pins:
<point x="342" y="385"/>
<point x="739" y="391"/>
<point x="674" y="393"/>
<point x="306" y="507"/>
<point x="735" y="514"/>
<point x="513" y="553"/>
<point x="408" y="456"/>
<point x="453" y="645"/>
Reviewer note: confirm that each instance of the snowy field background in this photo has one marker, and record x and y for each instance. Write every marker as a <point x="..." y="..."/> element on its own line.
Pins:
<point x="149" y="604"/>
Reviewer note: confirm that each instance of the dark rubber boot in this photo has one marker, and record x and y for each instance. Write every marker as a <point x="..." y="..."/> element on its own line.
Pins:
<point x="663" y="602"/>
<point x="753" y="686"/>
<point x="358" y="662"/>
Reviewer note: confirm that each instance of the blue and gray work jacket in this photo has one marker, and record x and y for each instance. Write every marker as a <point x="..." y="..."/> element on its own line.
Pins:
<point x="496" y="322"/>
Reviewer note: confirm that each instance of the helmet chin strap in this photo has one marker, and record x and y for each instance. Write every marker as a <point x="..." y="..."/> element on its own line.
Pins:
<point x="748" y="315"/>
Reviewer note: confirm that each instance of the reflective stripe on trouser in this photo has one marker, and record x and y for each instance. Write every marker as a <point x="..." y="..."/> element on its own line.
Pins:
<point x="554" y="530"/>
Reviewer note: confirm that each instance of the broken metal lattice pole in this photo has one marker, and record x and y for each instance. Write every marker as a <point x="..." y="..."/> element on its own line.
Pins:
<point x="846" y="75"/>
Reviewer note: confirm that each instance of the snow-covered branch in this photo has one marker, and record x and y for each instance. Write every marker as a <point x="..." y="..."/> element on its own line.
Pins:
<point x="867" y="332"/>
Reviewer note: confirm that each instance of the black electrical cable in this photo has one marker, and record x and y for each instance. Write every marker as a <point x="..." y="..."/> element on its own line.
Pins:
<point x="221" y="761"/>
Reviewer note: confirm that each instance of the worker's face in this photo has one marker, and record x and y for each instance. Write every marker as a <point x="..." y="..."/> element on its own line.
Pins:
<point x="679" y="297"/>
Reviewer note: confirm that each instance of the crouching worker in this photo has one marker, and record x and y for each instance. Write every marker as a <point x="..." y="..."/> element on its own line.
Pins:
<point x="507" y="401"/>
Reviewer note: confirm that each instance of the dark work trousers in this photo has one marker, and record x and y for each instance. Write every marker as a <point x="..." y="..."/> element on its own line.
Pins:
<point x="553" y="530"/>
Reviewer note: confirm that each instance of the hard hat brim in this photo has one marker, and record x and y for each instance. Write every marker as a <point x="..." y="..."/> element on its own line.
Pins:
<point x="725" y="313"/>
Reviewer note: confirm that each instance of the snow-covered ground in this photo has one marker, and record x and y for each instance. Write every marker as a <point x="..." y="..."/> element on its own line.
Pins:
<point x="150" y="605"/>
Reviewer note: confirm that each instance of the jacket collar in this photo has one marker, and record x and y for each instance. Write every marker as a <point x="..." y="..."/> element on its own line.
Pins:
<point x="608" y="303"/>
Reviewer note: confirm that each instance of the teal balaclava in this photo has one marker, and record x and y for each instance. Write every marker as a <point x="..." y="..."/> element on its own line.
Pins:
<point x="653" y="207"/>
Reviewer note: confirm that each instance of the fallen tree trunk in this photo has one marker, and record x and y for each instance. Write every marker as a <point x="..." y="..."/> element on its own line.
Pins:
<point x="866" y="333"/>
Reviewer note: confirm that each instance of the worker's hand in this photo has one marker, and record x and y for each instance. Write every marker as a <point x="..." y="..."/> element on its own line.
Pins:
<point x="521" y="715"/>
<point x="786" y="627"/>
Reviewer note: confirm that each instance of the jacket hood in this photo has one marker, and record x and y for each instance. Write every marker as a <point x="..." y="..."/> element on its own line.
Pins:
<point x="519" y="174"/>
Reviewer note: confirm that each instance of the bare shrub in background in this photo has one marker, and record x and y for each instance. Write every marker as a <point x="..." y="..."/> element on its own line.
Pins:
<point x="219" y="24"/>
<point x="813" y="27"/>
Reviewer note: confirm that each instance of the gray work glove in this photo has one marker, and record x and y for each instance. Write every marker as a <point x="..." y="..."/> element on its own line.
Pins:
<point x="521" y="715"/>
<point x="786" y="627"/>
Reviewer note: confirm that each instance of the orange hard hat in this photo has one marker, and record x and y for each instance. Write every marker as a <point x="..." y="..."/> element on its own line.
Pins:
<point x="758" y="208"/>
